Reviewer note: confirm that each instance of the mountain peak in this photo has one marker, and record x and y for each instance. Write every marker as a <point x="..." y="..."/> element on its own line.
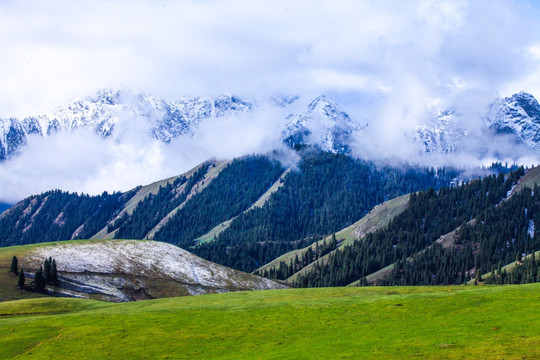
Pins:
<point x="517" y="116"/>
<point x="322" y="124"/>
<point x="106" y="109"/>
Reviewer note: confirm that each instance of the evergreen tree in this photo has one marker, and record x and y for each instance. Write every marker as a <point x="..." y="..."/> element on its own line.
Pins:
<point x="54" y="273"/>
<point x="39" y="280"/>
<point x="14" y="268"/>
<point x="47" y="270"/>
<point x="20" y="283"/>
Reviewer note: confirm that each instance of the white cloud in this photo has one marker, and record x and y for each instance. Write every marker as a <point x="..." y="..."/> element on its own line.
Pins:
<point x="389" y="61"/>
<point x="82" y="161"/>
<point x="60" y="49"/>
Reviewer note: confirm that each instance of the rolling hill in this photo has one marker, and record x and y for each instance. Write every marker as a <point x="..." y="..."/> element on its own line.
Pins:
<point x="457" y="322"/>
<point x="125" y="270"/>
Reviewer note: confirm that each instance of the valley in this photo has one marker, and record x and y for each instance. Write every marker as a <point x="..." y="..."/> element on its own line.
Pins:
<point x="270" y="180"/>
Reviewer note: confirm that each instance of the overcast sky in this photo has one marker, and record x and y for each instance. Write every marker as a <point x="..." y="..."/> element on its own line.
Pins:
<point x="54" y="51"/>
<point x="387" y="61"/>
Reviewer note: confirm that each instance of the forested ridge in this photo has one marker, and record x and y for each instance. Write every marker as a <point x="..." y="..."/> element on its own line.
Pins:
<point x="502" y="232"/>
<point x="500" y="235"/>
<point x="58" y="215"/>
<point x="155" y="207"/>
<point x="326" y="193"/>
<point x="234" y="190"/>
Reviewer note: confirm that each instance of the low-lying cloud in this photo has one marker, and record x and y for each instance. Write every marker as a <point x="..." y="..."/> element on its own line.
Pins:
<point x="83" y="161"/>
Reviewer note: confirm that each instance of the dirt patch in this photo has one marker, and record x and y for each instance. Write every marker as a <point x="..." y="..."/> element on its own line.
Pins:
<point x="136" y="294"/>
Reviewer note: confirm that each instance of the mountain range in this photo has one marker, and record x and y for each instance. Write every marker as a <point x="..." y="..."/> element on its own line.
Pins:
<point x="330" y="220"/>
<point x="323" y="123"/>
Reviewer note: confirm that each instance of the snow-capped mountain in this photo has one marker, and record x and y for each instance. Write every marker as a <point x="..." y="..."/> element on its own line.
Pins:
<point x="517" y="116"/>
<point x="442" y="135"/>
<point x="514" y="119"/>
<point x="322" y="124"/>
<point x="109" y="109"/>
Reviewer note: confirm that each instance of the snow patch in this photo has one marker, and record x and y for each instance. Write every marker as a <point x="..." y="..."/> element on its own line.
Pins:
<point x="141" y="258"/>
<point x="530" y="230"/>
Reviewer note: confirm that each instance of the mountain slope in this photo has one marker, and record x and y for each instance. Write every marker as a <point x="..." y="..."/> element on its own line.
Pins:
<point x="260" y="209"/>
<point x="297" y="262"/>
<point x="326" y="193"/>
<point x="442" y="238"/>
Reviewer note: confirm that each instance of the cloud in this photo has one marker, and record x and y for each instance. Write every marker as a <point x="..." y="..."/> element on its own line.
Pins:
<point x="82" y="161"/>
<point x="391" y="62"/>
<point x="61" y="49"/>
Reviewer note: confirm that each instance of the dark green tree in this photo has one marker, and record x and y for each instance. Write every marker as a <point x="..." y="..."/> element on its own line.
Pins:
<point x="39" y="280"/>
<point x="54" y="273"/>
<point x="47" y="270"/>
<point x="20" y="283"/>
<point x="14" y="268"/>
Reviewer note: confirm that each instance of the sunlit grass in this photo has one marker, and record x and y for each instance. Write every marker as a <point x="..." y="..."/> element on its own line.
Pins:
<point x="485" y="322"/>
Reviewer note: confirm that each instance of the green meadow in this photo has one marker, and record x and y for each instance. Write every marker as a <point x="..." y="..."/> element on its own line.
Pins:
<point x="459" y="322"/>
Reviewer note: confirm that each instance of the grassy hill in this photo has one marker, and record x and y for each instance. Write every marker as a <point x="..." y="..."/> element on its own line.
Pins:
<point x="124" y="270"/>
<point x="460" y="322"/>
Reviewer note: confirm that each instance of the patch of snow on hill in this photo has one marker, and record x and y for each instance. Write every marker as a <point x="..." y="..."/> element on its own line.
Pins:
<point x="146" y="259"/>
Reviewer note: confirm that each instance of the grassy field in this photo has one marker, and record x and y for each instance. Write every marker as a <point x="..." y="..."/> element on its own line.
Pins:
<point x="462" y="322"/>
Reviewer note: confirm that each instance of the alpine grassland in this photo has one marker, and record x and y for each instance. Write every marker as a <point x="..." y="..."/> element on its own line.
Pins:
<point x="444" y="322"/>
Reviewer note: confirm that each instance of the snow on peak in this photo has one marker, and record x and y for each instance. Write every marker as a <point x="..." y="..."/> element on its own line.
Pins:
<point x="442" y="134"/>
<point x="517" y="116"/>
<point x="322" y="124"/>
<point x="110" y="111"/>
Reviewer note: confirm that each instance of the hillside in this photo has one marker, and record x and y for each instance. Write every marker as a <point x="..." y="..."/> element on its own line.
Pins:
<point x="445" y="237"/>
<point x="325" y="193"/>
<point x="458" y="322"/>
<point x="241" y="213"/>
<point x="296" y="262"/>
<point x="125" y="270"/>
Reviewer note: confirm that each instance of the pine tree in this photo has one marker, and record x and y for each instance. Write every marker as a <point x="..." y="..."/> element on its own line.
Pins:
<point x="20" y="283"/>
<point x="39" y="280"/>
<point x="54" y="273"/>
<point x="47" y="270"/>
<point x="14" y="268"/>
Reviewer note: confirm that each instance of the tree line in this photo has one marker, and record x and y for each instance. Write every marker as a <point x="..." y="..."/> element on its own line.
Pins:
<point x="46" y="274"/>
<point x="57" y="215"/>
